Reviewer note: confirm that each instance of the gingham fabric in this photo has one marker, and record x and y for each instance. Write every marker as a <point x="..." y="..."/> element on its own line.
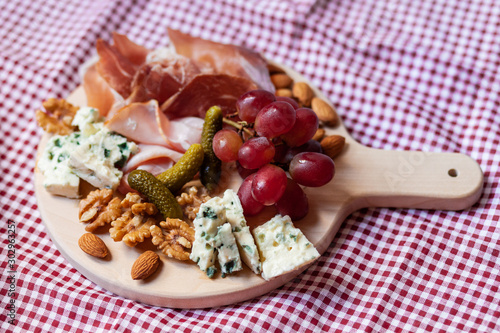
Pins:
<point x="409" y="75"/>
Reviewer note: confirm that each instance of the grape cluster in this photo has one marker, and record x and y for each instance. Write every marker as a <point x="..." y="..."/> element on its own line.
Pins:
<point x="281" y="141"/>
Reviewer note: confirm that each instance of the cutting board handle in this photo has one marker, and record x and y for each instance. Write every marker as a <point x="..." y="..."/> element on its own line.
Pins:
<point x="411" y="179"/>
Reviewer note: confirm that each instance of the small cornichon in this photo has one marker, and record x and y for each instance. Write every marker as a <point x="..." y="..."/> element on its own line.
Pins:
<point x="184" y="170"/>
<point x="210" y="170"/>
<point x="148" y="185"/>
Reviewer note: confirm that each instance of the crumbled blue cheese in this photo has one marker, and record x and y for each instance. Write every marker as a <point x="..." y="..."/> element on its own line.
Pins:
<point x="88" y="121"/>
<point x="282" y="247"/>
<point x="97" y="157"/>
<point x="59" y="178"/>
<point x="94" y="154"/>
<point x="228" y="255"/>
<point x="246" y="244"/>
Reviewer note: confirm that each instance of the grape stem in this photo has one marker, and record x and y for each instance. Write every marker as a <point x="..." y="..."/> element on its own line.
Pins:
<point x="240" y="126"/>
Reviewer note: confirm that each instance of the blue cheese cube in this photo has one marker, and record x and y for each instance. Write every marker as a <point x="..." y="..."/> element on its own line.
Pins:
<point x="283" y="248"/>
<point x="228" y="255"/>
<point x="59" y="178"/>
<point x="222" y="235"/>
<point x="210" y="217"/>
<point x="246" y="244"/>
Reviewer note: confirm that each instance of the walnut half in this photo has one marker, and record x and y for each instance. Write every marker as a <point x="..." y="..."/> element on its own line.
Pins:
<point x="133" y="226"/>
<point x="99" y="208"/>
<point x="174" y="238"/>
<point x="190" y="200"/>
<point x="58" y="117"/>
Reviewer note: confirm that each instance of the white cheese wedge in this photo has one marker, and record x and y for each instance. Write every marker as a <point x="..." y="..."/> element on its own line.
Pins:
<point x="59" y="178"/>
<point x="283" y="248"/>
<point x="211" y="215"/>
<point x="228" y="255"/>
<point x="246" y="244"/>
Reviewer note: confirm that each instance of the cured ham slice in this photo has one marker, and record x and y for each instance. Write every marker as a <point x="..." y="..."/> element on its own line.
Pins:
<point x="152" y="158"/>
<point x="223" y="58"/>
<point x="184" y="132"/>
<point x="135" y="53"/>
<point x="118" y="63"/>
<point x="150" y="83"/>
<point x="205" y="91"/>
<point x="152" y="153"/>
<point x="201" y="75"/>
<point x="117" y="70"/>
<point x="163" y="75"/>
<point x="99" y="94"/>
<point x="145" y="123"/>
<point x="141" y="122"/>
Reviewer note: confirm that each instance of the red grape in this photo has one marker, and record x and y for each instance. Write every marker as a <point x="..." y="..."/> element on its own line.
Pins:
<point x="251" y="102"/>
<point x="226" y="144"/>
<point x="304" y="129"/>
<point x="269" y="184"/>
<point x="309" y="146"/>
<point x="284" y="154"/>
<point x="275" y="119"/>
<point x="288" y="100"/>
<point x="293" y="202"/>
<point x="250" y="205"/>
<point x="243" y="172"/>
<point x="255" y="153"/>
<point x="312" y="169"/>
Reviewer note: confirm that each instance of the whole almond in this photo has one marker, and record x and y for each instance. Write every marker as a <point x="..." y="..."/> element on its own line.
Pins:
<point x="303" y="93"/>
<point x="333" y="145"/>
<point x="145" y="265"/>
<point x="325" y="112"/>
<point x="93" y="245"/>
<point x="283" y="92"/>
<point x="281" y="80"/>
<point x="320" y="134"/>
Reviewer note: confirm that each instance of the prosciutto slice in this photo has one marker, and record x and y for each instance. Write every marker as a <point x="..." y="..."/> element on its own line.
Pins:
<point x="133" y="52"/>
<point x="118" y="63"/>
<point x="145" y="123"/>
<point x="223" y="58"/>
<point x="205" y="91"/>
<point x="152" y="158"/>
<point x="163" y="75"/>
<point x="148" y="153"/>
<point x="99" y="93"/>
<point x="201" y="74"/>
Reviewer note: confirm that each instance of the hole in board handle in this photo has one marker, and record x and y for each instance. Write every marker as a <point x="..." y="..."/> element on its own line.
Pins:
<point x="453" y="173"/>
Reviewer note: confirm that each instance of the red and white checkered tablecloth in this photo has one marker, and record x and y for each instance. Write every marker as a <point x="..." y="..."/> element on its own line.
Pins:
<point x="411" y="75"/>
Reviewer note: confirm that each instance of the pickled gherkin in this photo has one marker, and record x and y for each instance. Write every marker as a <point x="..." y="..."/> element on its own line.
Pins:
<point x="210" y="170"/>
<point x="184" y="170"/>
<point x="148" y="185"/>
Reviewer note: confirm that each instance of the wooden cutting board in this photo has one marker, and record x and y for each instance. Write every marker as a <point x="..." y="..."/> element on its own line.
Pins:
<point x="365" y="177"/>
